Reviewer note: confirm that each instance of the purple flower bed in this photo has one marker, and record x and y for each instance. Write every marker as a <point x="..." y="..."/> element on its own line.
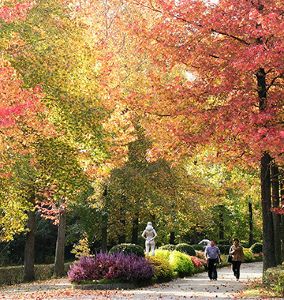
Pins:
<point x="111" y="266"/>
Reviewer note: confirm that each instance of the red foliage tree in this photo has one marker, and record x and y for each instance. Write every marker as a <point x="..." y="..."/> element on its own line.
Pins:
<point x="235" y="51"/>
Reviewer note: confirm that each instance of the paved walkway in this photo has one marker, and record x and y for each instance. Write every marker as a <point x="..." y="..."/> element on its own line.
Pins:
<point x="196" y="287"/>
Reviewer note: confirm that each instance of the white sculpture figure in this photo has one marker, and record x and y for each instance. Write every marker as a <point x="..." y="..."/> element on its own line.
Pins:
<point x="149" y="235"/>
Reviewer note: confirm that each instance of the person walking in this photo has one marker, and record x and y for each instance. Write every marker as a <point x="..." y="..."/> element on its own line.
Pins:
<point x="212" y="255"/>
<point x="149" y="235"/>
<point x="237" y="253"/>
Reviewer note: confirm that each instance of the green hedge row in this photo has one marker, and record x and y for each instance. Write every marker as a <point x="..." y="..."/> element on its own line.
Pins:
<point x="127" y="249"/>
<point x="15" y="274"/>
<point x="182" y="247"/>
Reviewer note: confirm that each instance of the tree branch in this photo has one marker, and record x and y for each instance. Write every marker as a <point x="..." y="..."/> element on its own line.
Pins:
<point x="231" y="36"/>
<point x="280" y="76"/>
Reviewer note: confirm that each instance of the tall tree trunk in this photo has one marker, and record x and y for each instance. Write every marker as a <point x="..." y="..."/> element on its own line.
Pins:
<point x="122" y="221"/>
<point x="172" y="238"/>
<point x="122" y="235"/>
<point x="282" y="219"/>
<point x="268" y="235"/>
<point x="29" y="256"/>
<point x="104" y="228"/>
<point x="268" y="232"/>
<point x="251" y="238"/>
<point x="221" y="223"/>
<point x="276" y="217"/>
<point x="135" y="228"/>
<point x="60" y="245"/>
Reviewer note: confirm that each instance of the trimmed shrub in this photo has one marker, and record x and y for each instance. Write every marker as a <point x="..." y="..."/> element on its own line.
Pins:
<point x="245" y="244"/>
<point x="163" y="254"/>
<point x="258" y="257"/>
<point x="223" y="242"/>
<point x="181" y="263"/>
<point x="15" y="274"/>
<point x="274" y="278"/>
<point x="162" y="269"/>
<point x="248" y="255"/>
<point x="224" y="249"/>
<point x="185" y="248"/>
<point x="197" y="262"/>
<point x="169" y="247"/>
<point x="131" y="268"/>
<point x="198" y="247"/>
<point x="200" y="254"/>
<point x="127" y="249"/>
<point x="256" y="248"/>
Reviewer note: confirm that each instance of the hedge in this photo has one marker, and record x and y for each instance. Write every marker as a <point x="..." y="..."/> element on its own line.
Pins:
<point x="185" y="248"/>
<point x="181" y="263"/>
<point x="162" y="270"/>
<point x="15" y="274"/>
<point x="248" y="255"/>
<point x="127" y="249"/>
<point x="169" y="247"/>
<point x="198" y="247"/>
<point x="163" y="253"/>
<point x="256" y="248"/>
<point x="274" y="279"/>
<point x="224" y="249"/>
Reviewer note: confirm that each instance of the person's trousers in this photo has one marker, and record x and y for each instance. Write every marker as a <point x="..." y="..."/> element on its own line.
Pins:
<point x="212" y="268"/>
<point x="236" y="265"/>
<point x="149" y="244"/>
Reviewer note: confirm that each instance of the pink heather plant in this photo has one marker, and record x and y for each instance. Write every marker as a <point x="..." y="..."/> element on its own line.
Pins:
<point x="111" y="266"/>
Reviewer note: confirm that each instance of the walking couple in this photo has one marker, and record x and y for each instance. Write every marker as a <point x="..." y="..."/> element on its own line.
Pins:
<point x="213" y="256"/>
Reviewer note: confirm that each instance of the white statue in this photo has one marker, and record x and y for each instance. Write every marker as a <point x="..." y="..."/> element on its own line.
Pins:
<point x="149" y="235"/>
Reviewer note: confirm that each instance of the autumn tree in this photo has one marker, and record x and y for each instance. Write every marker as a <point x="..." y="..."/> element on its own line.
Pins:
<point x="232" y="55"/>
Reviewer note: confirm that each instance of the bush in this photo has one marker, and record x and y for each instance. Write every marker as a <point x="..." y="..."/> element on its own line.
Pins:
<point x="162" y="269"/>
<point x="185" y="248"/>
<point x="127" y="249"/>
<point x="181" y="263"/>
<point x="274" y="278"/>
<point x="15" y="274"/>
<point x="224" y="249"/>
<point x="197" y="262"/>
<point x="256" y="248"/>
<point x="223" y="242"/>
<point x="200" y="254"/>
<point x="169" y="247"/>
<point x="248" y="255"/>
<point x="163" y="254"/>
<point x="245" y="244"/>
<point x="116" y="266"/>
<point x="198" y="247"/>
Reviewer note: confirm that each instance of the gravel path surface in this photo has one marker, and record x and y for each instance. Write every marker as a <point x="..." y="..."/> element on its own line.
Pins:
<point x="196" y="287"/>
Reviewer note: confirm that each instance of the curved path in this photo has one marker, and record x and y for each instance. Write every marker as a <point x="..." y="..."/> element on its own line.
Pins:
<point x="196" y="287"/>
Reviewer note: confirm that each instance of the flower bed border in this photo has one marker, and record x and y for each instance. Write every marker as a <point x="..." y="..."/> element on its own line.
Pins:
<point x="110" y="286"/>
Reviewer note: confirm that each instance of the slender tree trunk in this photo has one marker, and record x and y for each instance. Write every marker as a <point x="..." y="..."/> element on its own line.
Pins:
<point x="104" y="228"/>
<point x="60" y="245"/>
<point x="135" y="228"/>
<point x="282" y="221"/>
<point x="172" y="238"/>
<point x="122" y="221"/>
<point x="268" y="232"/>
<point x="221" y="223"/>
<point x="276" y="217"/>
<point x="251" y="238"/>
<point x="122" y="235"/>
<point x="268" y="235"/>
<point x="29" y="256"/>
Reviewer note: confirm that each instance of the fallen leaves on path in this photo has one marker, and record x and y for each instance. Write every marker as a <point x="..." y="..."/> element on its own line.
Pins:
<point x="63" y="294"/>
